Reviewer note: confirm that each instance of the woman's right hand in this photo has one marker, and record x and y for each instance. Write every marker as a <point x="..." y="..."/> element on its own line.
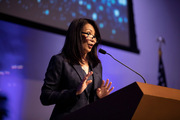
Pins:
<point x="84" y="83"/>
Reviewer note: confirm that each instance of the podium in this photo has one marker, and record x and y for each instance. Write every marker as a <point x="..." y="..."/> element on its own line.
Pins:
<point x="137" y="101"/>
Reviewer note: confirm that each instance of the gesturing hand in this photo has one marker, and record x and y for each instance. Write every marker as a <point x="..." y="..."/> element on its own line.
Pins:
<point x="104" y="90"/>
<point x="84" y="83"/>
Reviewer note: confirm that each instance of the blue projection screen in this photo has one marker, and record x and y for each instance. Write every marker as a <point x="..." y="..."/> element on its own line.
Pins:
<point x="114" y="17"/>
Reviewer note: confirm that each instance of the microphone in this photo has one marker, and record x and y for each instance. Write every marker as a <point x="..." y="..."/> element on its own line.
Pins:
<point x="104" y="52"/>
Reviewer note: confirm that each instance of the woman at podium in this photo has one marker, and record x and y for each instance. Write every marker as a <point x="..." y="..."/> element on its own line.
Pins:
<point x="74" y="77"/>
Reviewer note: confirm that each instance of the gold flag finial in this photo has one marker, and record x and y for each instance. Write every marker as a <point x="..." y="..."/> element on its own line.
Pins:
<point x="161" y="41"/>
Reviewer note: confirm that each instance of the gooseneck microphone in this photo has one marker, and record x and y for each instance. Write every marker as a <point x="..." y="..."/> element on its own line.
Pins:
<point x="104" y="52"/>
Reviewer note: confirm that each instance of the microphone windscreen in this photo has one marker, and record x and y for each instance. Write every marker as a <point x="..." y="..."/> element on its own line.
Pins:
<point x="102" y="51"/>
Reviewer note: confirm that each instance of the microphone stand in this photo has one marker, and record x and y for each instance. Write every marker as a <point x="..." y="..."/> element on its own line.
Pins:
<point x="104" y="52"/>
<point x="127" y="67"/>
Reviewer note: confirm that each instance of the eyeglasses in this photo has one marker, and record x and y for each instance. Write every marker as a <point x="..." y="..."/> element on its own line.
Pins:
<point x="89" y="35"/>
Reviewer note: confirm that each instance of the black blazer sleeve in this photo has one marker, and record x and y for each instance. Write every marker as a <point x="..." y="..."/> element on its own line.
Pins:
<point x="52" y="92"/>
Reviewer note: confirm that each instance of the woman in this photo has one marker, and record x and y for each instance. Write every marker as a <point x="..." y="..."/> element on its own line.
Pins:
<point x="74" y="77"/>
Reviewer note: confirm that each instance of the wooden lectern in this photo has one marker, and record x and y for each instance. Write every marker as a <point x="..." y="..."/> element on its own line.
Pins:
<point x="137" y="101"/>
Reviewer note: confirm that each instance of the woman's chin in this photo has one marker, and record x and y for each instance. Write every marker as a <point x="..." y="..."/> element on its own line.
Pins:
<point x="87" y="51"/>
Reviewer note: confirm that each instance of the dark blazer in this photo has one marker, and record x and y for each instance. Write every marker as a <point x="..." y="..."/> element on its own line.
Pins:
<point x="60" y="85"/>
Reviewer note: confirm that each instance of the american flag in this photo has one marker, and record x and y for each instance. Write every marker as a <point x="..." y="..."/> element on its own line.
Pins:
<point x="161" y="72"/>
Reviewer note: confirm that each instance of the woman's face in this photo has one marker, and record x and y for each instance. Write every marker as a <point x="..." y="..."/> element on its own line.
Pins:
<point x="88" y="37"/>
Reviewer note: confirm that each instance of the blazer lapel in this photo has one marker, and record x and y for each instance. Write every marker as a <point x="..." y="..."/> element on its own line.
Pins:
<point x="78" y="70"/>
<point x="94" y="76"/>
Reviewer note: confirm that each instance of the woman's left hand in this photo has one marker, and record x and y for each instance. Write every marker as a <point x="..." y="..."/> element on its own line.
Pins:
<point x="104" y="90"/>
